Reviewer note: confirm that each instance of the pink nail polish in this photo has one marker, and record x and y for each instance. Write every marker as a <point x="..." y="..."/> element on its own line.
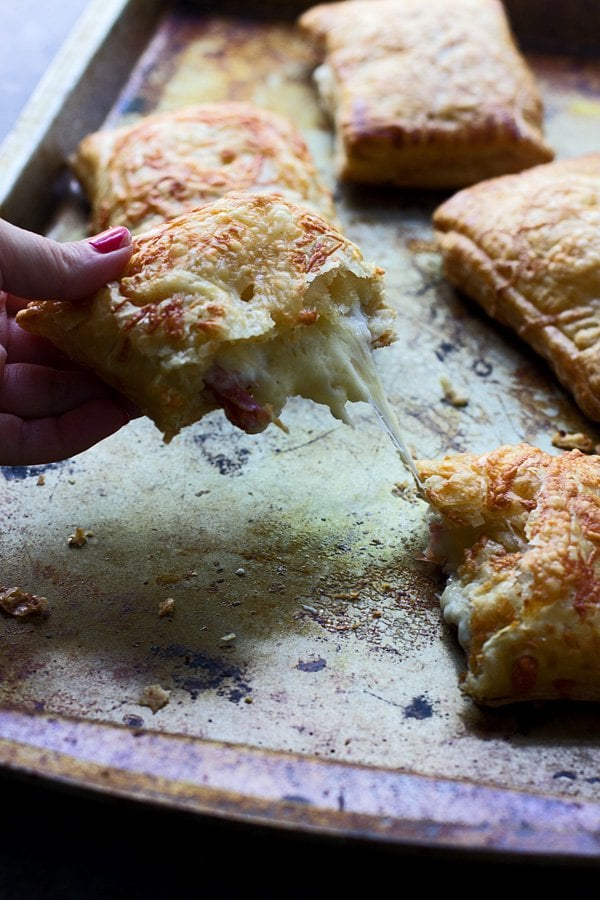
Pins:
<point x="112" y="239"/>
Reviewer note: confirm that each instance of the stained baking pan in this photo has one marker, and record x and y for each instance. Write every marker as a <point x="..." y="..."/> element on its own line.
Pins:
<point x="304" y="678"/>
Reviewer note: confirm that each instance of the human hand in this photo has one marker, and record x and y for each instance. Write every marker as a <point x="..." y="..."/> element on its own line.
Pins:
<point x="51" y="409"/>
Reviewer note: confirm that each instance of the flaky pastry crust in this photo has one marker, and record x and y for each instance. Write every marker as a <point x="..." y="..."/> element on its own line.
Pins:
<point x="425" y="94"/>
<point x="518" y="531"/>
<point x="237" y="305"/>
<point x="143" y="174"/>
<point x="527" y="248"/>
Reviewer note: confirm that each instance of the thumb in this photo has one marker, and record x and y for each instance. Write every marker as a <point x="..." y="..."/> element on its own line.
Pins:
<point x="37" y="268"/>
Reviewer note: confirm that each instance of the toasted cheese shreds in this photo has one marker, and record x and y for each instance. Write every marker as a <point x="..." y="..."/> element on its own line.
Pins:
<point x="518" y="532"/>
<point x="425" y="93"/>
<point x="169" y="163"/>
<point x="238" y="305"/>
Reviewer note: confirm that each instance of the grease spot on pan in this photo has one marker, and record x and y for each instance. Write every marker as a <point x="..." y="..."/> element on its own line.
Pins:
<point x="420" y="708"/>
<point x="18" y="473"/>
<point x="230" y="463"/>
<point x="568" y="775"/>
<point x="311" y="665"/>
<point x="196" y="673"/>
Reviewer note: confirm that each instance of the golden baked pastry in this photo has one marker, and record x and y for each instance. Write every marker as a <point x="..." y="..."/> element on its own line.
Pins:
<point x="425" y="94"/>
<point x="239" y="304"/>
<point x="527" y="248"/>
<point x="518" y="531"/>
<point x="165" y="164"/>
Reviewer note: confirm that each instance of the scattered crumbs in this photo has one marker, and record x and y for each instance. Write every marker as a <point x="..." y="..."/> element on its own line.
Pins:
<point x="451" y="394"/>
<point x="21" y="604"/>
<point x="576" y="441"/>
<point x="402" y="489"/>
<point x="240" y="571"/>
<point x="228" y="638"/>
<point x="41" y="480"/>
<point x="155" y="697"/>
<point x="72" y="481"/>
<point x="79" y="537"/>
<point x="420" y="245"/>
<point x="166" y="607"/>
<point x="248" y="700"/>
<point x="377" y="614"/>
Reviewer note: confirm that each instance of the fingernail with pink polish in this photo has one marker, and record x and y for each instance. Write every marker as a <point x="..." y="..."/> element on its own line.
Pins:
<point x="112" y="239"/>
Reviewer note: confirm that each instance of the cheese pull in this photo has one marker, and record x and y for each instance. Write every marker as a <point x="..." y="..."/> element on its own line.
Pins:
<point x="237" y="305"/>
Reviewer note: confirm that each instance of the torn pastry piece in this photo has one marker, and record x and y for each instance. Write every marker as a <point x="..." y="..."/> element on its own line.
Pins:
<point x="527" y="248"/>
<point x="425" y="94"/>
<point x="163" y="165"/>
<point x="238" y="305"/>
<point x="518" y="531"/>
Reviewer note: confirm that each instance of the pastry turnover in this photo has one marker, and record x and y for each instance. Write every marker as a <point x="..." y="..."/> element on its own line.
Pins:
<point x="425" y="94"/>
<point x="238" y="305"/>
<point x="527" y="248"/>
<point x="166" y="164"/>
<point x="518" y="531"/>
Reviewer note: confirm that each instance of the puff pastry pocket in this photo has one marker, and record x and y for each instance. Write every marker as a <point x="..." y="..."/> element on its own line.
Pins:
<point x="238" y="305"/>
<point x="527" y="248"/>
<point x="425" y="94"/>
<point x="166" y="164"/>
<point x="518" y="531"/>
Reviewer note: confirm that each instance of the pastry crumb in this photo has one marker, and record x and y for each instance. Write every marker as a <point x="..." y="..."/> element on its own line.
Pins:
<point x="154" y="697"/>
<point x="79" y="537"/>
<point x="228" y="638"/>
<point x="166" y="607"/>
<point x="21" y="604"/>
<point x="41" y="480"/>
<point x="575" y="441"/>
<point x="451" y="394"/>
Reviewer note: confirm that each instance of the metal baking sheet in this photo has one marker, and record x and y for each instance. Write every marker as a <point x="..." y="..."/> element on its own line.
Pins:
<point x="307" y="677"/>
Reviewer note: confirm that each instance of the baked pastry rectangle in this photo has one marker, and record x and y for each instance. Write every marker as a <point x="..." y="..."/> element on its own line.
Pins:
<point x="237" y="305"/>
<point x="425" y="93"/>
<point x="527" y="248"/>
<point x="168" y="163"/>
<point x="518" y="531"/>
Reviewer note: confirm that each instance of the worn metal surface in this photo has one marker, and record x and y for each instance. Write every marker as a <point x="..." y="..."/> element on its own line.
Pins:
<point x="306" y="634"/>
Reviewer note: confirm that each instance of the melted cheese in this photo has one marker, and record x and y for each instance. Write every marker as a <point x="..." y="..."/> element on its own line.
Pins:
<point x="366" y="371"/>
<point x="330" y="362"/>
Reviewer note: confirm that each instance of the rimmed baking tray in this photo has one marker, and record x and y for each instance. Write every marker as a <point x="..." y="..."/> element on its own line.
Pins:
<point x="305" y="679"/>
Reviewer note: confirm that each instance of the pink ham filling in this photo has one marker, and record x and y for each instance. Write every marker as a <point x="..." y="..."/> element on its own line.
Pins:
<point x="237" y="402"/>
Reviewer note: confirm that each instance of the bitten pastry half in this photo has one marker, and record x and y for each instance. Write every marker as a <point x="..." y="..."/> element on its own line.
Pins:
<point x="527" y="248"/>
<point x="518" y="531"/>
<point x="168" y="163"/>
<point x="429" y="94"/>
<point x="238" y="305"/>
